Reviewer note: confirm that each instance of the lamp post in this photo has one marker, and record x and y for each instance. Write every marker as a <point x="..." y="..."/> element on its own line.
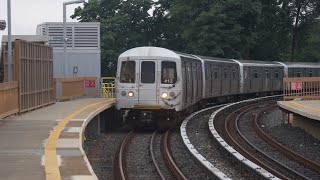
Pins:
<point x="65" y="39"/>
<point x="9" y="42"/>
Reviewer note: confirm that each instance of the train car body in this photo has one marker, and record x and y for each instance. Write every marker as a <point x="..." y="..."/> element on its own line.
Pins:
<point x="152" y="83"/>
<point x="158" y="86"/>
<point x="298" y="69"/>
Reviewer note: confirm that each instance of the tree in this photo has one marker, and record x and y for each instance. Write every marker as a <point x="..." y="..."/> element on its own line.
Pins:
<point x="217" y="28"/>
<point x="272" y="33"/>
<point x="310" y="45"/>
<point x="301" y="12"/>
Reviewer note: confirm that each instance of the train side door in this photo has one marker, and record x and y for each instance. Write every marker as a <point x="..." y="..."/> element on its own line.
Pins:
<point x="148" y="83"/>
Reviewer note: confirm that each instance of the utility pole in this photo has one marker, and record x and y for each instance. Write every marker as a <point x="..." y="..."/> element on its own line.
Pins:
<point x="9" y="42"/>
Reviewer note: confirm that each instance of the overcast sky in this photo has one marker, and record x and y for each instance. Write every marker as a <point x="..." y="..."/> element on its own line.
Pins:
<point x="27" y="14"/>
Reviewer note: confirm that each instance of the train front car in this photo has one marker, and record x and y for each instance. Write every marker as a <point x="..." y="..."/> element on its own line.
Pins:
<point x="148" y="87"/>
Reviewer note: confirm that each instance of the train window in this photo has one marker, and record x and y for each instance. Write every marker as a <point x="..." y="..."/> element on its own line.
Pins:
<point x="255" y="73"/>
<point x="148" y="72"/>
<point x="189" y="73"/>
<point x="298" y="74"/>
<point x="216" y="73"/>
<point x="277" y="74"/>
<point x="169" y="72"/>
<point x="225" y="73"/>
<point x="310" y="74"/>
<point x="128" y="71"/>
<point x="267" y="73"/>
<point x="233" y="73"/>
<point x="245" y="74"/>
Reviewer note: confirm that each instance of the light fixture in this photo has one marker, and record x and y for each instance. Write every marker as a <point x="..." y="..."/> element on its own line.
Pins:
<point x="130" y="94"/>
<point x="164" y="95"/>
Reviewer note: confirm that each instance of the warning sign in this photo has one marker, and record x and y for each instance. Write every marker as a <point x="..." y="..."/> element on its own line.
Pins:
<point x="90" y="83"/>
<point x="296" y="85"/>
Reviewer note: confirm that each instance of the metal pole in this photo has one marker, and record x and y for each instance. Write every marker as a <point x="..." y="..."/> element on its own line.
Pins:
<point x="9" y="42"/>
<point x="65" y="40"/>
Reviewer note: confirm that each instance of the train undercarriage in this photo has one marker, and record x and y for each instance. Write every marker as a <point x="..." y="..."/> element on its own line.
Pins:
<point x="168" y="118"/>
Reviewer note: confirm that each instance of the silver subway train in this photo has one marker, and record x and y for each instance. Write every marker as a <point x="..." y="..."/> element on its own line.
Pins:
<point x="159" y="86"/>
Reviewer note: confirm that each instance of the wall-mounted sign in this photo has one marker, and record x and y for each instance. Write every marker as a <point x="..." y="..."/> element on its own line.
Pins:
<point x="90" y="83"/>
<point x="296" y="85"/>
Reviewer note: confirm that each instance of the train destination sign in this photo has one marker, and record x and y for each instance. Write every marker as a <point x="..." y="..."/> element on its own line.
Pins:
<point x="3" y="25"/>
<point x="296" y="85"/>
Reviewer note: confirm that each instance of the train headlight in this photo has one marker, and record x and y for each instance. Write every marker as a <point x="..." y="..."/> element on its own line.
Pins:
<point x="123" y="93"/>
<point x="164" y="95"/>
<point x="172" y="94"/>
<point x="130" y="94"/>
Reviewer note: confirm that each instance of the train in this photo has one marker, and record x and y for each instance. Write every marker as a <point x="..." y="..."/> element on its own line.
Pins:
<point x="158" y="86"/>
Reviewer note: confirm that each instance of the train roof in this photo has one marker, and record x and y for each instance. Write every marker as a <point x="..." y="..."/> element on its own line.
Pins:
<point x="301" y="64"/>
<point x="149" y="51"/>
<point x="216" y="59"/>
<point x="258" y="63"/>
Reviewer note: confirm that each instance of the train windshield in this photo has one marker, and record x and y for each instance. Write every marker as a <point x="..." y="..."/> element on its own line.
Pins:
<point x="168" y="72"/>
<point x="148" y="72"/>
<point x="128" y="71"/>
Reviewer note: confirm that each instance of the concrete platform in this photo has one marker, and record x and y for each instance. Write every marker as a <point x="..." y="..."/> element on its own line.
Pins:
<point x="309" y="109"/>
<point x="47" y="143"/>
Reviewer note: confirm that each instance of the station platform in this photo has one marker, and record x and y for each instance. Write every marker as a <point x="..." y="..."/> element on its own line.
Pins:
<point x="309" y="109"/>
<point x="47" y="143"/>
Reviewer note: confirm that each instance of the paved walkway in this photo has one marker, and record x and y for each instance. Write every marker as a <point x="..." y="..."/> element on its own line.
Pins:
<point x="309" y="109"/>
<point x="46" y="143"/>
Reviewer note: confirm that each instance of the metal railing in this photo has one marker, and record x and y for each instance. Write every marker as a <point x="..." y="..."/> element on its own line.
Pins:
<point x="301" y="88"/>
<point x="108" y="88"/>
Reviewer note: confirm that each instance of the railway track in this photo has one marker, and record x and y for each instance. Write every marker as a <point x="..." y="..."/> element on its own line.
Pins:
<point x="268" y="158"/>
<point x="119" y="168"/>
<point x="169" y="161"/>
<point x="122" y="157"/>
<point x="281" y="148"/>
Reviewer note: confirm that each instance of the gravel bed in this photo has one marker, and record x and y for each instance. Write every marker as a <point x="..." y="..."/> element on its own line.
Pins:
<point x="157" y="153"/>
<point x="245" y="126"/>
<point x="139" y="163"/>
<point x="183" y="159"/>
<point x="100" y="150"/>
<point x="201" y="138"/>
<point x="292" y="137"/>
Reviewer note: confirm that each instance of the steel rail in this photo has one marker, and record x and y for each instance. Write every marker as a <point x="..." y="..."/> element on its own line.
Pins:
<point x="172" y="166"/>
<point x="283" y="149"/>
<point x="120" y="171"/>
<point x="153" y="157"/>
<point x="245" y="152"/>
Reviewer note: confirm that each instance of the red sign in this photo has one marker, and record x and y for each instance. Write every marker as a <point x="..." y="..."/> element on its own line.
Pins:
<point x="296" y="85"/>
<point x="90" y="83"/>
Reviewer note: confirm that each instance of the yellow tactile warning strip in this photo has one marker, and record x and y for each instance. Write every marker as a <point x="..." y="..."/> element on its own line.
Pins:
<point x="307" y="107"/>
<point x="51" y="162"/>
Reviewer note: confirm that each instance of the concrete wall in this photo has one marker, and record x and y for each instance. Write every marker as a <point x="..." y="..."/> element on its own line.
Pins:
<point x="309" y="125"/>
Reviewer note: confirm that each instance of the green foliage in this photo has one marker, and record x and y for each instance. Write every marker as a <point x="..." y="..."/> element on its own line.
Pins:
<point x="310" y="51"/>
<point x="244" y="29"/>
